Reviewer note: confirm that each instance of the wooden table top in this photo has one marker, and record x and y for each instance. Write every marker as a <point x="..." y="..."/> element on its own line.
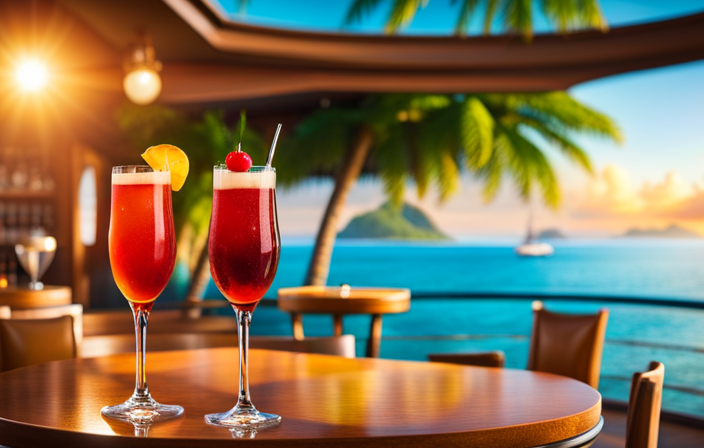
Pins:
<point x="328" y="300"/>
<point x="323" y="400"/>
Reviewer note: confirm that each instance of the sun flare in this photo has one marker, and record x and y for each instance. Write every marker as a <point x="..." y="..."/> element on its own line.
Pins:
<point x="31" y="75"/>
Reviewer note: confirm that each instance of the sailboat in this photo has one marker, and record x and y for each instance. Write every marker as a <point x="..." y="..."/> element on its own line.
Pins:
<point x="531" y="247"/>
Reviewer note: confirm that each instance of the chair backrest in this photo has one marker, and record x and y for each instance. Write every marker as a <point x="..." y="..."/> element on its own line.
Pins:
<point x="103" y="345"/>
<point x="644" y="405"/>
<point x="482" y="359"/>
<point x="111" y="344"/>
<point x="24" y="342"/>
<point x="75" y="310"/>
<point x="99" y="323"/>
<point x="568" y="344"/>
<point x="343" y="345"/>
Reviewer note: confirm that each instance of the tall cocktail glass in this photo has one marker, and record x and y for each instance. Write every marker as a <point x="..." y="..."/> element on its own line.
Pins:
<point x="142" y="255"/>
<point x="244" y="249"/>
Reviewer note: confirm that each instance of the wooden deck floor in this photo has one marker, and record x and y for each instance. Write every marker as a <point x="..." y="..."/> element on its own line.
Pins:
<point x="672" y="435"/>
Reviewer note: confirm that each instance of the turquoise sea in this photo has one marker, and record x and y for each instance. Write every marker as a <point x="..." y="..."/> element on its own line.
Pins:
<point x="636" y="334"/>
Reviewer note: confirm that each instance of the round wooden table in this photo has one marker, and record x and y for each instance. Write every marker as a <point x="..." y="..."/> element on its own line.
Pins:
<point x="25" y="298"/>
<point x="323" y="401"/>
<point x="340" y="301"/>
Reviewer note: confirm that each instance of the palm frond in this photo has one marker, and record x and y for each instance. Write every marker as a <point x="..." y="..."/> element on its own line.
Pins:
<point x="438" y="142"/>
<point x="493" y="172"/>
<point x="491" y="8"/>
<point x="317" y="146"/>
<point x="562" y="13"/>
<point x="591" y="14"/>
<point x="564" y="111"/>
<point x="392" y="162"/>
<point x="564" y="143"/>
<point x="477" y="129"/>
<point x="402" y="13"/>
<point x="569" y="15"/>
<point x="426" y="102"/>
<point x="449" y="178"/>
<point x="528" y="164"/>
<point x="466" y="11"/>
<point x="518" y="17"/>
<point x="359" y="10"/>
<point x="421" y="166"/>
<point x="219" y="135"/>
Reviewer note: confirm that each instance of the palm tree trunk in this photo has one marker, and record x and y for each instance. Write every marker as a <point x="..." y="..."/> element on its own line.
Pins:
<point x="199" y="281"/>
<point x="319" y="266"/>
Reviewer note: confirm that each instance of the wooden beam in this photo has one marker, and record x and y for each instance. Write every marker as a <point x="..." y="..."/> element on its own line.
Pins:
<point x="623" y="45"/>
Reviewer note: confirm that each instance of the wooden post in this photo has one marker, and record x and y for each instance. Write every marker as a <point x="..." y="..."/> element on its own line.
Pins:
<point x="337" y="324"/>
<point x="374" y="341"/>
<point x="297" y="322"/>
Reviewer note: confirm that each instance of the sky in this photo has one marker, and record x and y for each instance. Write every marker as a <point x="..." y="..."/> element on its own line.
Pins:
<point x="654" y="179"/>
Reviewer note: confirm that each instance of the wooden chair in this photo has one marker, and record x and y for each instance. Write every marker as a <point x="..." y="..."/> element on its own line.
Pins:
<point x="567" y="344"/>
<point x="103" y="345"/>
<point x="39" y="335"/>
<point x="644" y="402"/>
<point x="98" y="323"/>
<point x="343" y="345"/>
<point x="75" y="311"/>
<point x="483" y="359"/>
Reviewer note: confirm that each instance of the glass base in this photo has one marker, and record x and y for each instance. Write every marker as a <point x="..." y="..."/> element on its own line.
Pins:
<point x="243" y="418"/>
<point x="142" y="410"/>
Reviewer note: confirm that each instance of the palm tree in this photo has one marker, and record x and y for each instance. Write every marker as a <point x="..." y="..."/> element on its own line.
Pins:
<point x="430" y="139"/>
<point x="516" y="15"/>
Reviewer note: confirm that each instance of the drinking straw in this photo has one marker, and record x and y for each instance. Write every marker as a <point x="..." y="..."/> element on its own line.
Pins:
<point x="273" y="147"/>
<point x="243" y="120"/>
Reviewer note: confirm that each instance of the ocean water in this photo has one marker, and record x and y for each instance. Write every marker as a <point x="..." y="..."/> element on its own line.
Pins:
<point x="636" y="334"/>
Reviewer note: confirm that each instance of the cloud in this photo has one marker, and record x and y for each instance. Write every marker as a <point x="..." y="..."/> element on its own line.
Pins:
<point x="668" y="194"/>
<point x="612" y="192"/>
<point x="612" y="200"/>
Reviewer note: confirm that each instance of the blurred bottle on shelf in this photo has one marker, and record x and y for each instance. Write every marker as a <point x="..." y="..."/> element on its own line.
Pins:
<point x="47" y="176"/>
<point x="11" y="270"/>
<point x="11" y="230"/>
<point x="4" y="178"/>
<point x="20" y="171"/>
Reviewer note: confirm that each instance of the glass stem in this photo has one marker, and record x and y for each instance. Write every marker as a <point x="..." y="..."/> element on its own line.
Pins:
<point x="141" y="390"/>
<point x="244" y="318"/>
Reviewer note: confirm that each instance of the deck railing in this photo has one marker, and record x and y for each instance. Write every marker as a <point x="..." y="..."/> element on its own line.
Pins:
<point x="625" y="351"/>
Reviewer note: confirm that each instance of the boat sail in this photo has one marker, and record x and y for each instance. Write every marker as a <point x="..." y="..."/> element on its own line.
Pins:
<point x="531" y="246"/>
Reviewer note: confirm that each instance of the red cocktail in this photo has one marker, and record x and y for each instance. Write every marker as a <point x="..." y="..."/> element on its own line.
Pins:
<point x="244" y="245"/>
<point x="142" y="255"/>
<point x="142" y="244"/>
<point x="244" y="251"/>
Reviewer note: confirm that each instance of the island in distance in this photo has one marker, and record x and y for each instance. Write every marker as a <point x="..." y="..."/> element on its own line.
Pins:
<point x="672" y="231"/>
<point x="403" y="222"/>
<point x="551" y="234"/>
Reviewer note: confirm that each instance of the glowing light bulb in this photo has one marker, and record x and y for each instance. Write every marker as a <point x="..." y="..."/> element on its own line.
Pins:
<point x="142" y="86"/>
<point x="32" y="75"/>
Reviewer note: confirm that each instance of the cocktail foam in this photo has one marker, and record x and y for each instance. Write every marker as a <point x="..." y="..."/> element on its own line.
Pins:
<point x="154" y="178"/>
<point x="229" y="180"/>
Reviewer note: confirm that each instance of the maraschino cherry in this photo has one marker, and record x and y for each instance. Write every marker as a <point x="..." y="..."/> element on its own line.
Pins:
<point x="238" y="161"/>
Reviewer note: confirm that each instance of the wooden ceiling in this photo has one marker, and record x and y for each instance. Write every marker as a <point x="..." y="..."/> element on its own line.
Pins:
<point x="209" y="60"/>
